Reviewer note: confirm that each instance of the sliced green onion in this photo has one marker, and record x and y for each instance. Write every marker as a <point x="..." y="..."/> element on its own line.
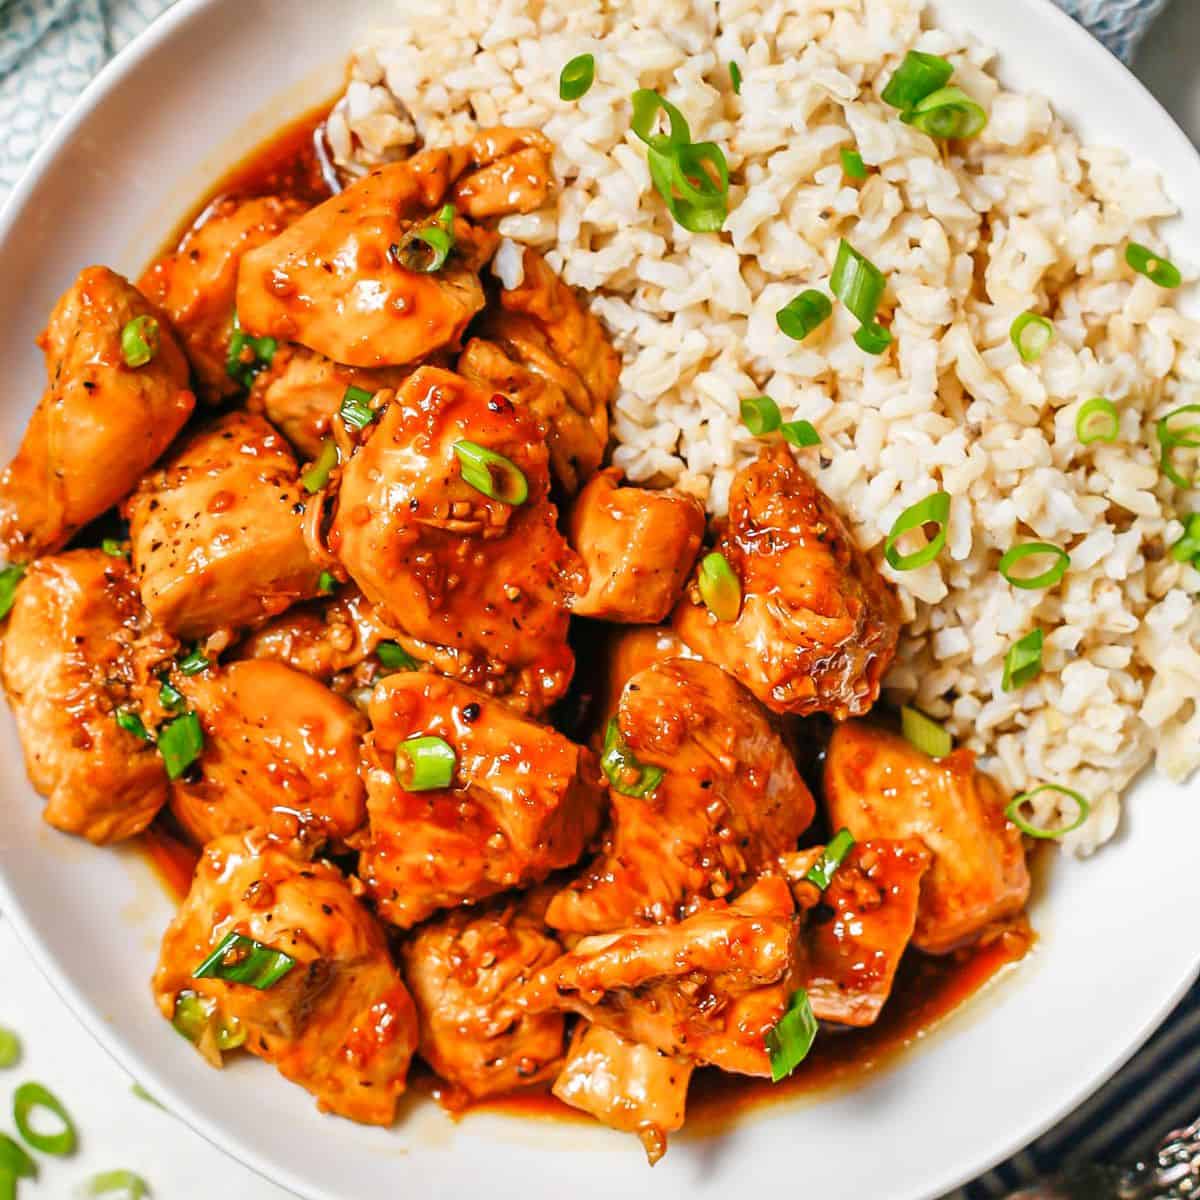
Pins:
<point x="194" y="661"/>
<point x="129" y="721"/>
<point x="576" y="77"/>
<point x="872" y="338"/>
<point x="933" y="510"/>
<point x="247" y="355"/>
<point x="139" y="341"/>
<point x="194" y="1014"/>
<point x="240" y="959"/>
<point x="1031" y="334"/>
<point x="789" y="1042"/>
<point x="735" y="75"/>
<point x="1169" y="439"/>
<point x="693" y="198"/>
<point x="925" y="733"/>
<point x="141" y="1093"/>
<point x="325" y="583"/>
<point x="760" y="415"/>
<point x="1155" y="268"/>
<point x="317" y="476"/>
<point x="180" y="743"/>
<point x="1097" y="421"/>
<point x="625" y="772"/>
<point x="497" y="477"/>
<point x="853" y="166"/>
<point x="1023" y="662"/>
<point x="1046" y="578"/>
<point x="10" y="1048"/>
<point x="9" y="578"/>
<point x="646" y="107"/>
<point x="169" y="696"/>
<point x="720" y="588"/>
<point x="394" y="657"/>
<point x="431" y="763"/>
<point x="918" y="76"/>
<point x="30" y="1096"/>
<point x="15" y="1160"/>
<point x="113" y="548"/>
<point x="1013" y="812"/>
<point x="800" y="433"/>
<point x="356" y="410"/>
<point x="799" y="317"/>
<point x="115" y="1185"/>
<point x="857" y="283"/>
<point x="947" y="113"/>
<point x="822" y="871"/>
<point x="1187" y="549"/>
<point x="427" y="247"/>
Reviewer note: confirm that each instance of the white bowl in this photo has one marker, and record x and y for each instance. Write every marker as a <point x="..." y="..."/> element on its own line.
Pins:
<point x="1118" y="934"/>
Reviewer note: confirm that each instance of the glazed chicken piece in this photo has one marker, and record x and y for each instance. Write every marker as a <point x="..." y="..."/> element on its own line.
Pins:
<point x="451" y="566"/>
<point x="708" y="988"/>
<point x="69" y="664"/>
<point x="217" y="532"/>
<point x="628" y="649"/>
<point x="728" y="803"/>
<point x="878" y="785"/>
<point x="858" y="932"/>
<point x="196" y="284"/>
<point x="638" y="546"/>
<point x="333" y="282"/>
<point x="340" y="1022"/>
<point x="275" y="741"/>
<point x="100" y="424"/>
<point x="464" y="970"/>
<point x="817" y="625"/>
<point x="625" y="1086"/>
<point x="511" y="175"/>
<point x="523" y="801"/>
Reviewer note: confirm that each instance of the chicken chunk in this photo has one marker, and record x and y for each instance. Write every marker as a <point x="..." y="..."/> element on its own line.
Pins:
<point x="196" y="284"/>
<point x="340" y="1022"/>
<point x="818" y="625"/>
<point x="858" y="933"/>
<point x="275" y="741"/>
<point x="217" y="536"/>
<point x="626" y="650"/>
<point x="625" y="1086"/>
<point x="69" y="664"/>
<point x="333" y="282"/>
<point x="100" y="424"/>
<point x="638" y="546"/>
<point x="523" y="801"/>
<point x="464" y="970"/>
<point x="446" y="563"/>
<point x="728" y="803"/>
<point x="708" y="988"/>
<point x="877" y="785"/>
<point x="511" y="175"/>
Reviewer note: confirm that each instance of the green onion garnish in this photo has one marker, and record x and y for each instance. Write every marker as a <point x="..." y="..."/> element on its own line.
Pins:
<point x="247" y="355"/>
<point x="180" y="742"/>
<point x="426" y="248"/>
<point x="720" y="588"/>
<point x="129" y="721"/>
<point x="822" y="871"/>
<point x="789" y="1042"/>
<point x="195" y="1013"/>
<point x="1097" y="421"/>
<point x="1013" y="812"/>
<point x="194" y="661"/>
<point x="317" y="476"/>
<point x="800" y="433"/>
<point x="431" y="763"/>
<point x="1158" y="270"/>
<point x="918" y="76"/>
<point x="625" y="772"/>
<point x="760" y="415"/>
<point x="497" y="477"/>
<point x="857" y="283"/>
<point x="853" y="166"/>
<point x="10" y="1048"/>
<point x="116" y="1185"/>
<point x="113" y="547"/>
<point x="646" y="106"/>
<point x="925" y="733"/>
<point x="1023" y="661"/>
<point x="325" y="583"/>
<point x="1031" y="334"/>
<point x="735" y="75"/>
<point x="947" y="113"/>
<point x="9" y="578"/>
<point x="1186" y="550"/>
<point x="872" y="338"/>
<point x="30" y="1096"/>
<point x="576" y="77"/>
<point x="394" y="657"/>
<point x="1169" y="439"/>
<point x="1046" y="578"/>
<point x="141" y="1093"/>
<point x="799" y="317"/>
<point x="693" y="198"/>
<point x="933" y="510"/>
<point x="15" y="1162"/>
<point x="139" y="341"/>
<point x="169" y="696"/>
<point x="356" y="410"/>
<point x="239" y="959"/>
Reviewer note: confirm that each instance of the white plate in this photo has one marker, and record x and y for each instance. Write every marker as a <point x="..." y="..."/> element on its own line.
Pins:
<point x="1119" y="936"/>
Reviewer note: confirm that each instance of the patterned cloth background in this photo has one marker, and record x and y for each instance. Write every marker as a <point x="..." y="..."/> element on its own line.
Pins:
<point x="49" y="49"/>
